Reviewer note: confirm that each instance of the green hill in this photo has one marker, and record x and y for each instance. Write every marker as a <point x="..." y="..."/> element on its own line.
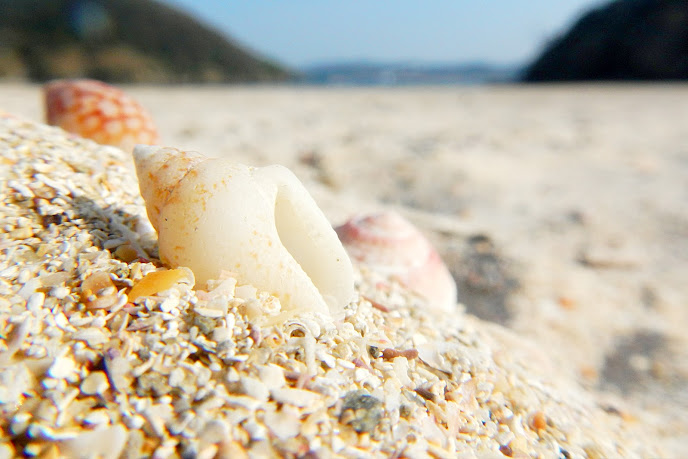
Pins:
<point x="120" y="41"/>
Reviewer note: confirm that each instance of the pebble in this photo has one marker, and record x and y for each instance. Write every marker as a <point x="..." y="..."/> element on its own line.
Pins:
<point x="214" y="431"/>
<point x="97" y="417"/>
<point x="62" y="368"/>
<point x="92" y="336"/>
<point x="59" y="292"/>
<point x="35" y="301"/>
<point x="297" y="397"/>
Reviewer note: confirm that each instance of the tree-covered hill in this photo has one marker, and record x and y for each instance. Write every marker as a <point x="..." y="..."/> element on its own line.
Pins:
<point x="621" y="40"/>
<point x="120" y="41"/>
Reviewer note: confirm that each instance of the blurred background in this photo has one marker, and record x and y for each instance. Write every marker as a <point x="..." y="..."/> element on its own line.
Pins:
<point x="331" y="42"/>
<point x="561" y="210"/>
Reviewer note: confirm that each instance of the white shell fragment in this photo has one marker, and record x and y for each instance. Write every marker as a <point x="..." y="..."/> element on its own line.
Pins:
<point x="105" y="442"/>
<point x="260" y="223"/>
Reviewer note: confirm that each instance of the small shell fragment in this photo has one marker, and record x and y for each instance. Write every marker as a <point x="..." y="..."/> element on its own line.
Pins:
<point x="98" y="291"/>
<point x="118" y="369"/>
<point x="297" y="397"/>
<point x="159" y="281"/>
<point x="62" y="368"/>
<point x="106" y="442"/>
<point x="126" y="253"/>
<point x="95" y="383"/>
<point x="92" y="336"/>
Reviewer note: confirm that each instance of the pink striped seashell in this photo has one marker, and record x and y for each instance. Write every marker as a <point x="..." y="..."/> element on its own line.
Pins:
<point x="98" y="111"/>
<point x="391" y="245"/>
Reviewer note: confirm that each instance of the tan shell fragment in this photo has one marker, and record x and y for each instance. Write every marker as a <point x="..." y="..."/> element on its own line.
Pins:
<point x="158" y="281"/>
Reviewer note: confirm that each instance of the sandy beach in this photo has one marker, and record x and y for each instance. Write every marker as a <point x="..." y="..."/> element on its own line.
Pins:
<point x="562" y="211"/>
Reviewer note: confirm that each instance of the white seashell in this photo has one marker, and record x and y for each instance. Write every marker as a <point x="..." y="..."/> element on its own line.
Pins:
<point x="391" y="245"/>
<point x="260" y="223"/>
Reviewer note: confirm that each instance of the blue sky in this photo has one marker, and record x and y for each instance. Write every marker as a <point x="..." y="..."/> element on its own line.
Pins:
<point x="304" y="32"/>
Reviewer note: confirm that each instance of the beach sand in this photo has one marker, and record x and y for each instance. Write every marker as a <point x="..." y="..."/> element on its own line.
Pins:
<point x="562" y="211"/>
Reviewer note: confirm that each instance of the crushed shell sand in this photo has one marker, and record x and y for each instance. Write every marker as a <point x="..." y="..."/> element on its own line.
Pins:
<point x="105" y="353"/>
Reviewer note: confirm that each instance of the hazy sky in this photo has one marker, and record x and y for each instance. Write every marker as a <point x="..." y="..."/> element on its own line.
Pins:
<point x="304" y="32"/>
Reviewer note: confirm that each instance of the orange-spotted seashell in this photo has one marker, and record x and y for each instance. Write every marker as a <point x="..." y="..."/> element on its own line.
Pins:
<point x="391" y="245"/>
<point x="98" y="111"/>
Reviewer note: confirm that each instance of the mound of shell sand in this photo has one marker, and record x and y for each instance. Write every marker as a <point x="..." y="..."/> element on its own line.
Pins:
<point x="105" y="352"/>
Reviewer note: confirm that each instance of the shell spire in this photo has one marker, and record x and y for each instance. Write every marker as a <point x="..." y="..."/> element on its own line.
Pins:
<point x="260" y="223"/>
<point x="388" y="243"/>
<point x="159" y="171"/>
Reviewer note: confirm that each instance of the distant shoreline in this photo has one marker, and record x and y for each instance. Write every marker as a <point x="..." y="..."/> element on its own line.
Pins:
<point x="407" y="74"/>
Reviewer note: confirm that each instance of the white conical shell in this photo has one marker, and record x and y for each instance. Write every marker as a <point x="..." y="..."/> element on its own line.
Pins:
<point x="260" y="223"/>
<point x="390" y="244"/>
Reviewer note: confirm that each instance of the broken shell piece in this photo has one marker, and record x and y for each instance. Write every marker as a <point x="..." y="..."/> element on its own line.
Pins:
<point x="98" y="291"/>
<point x="95" y="283"/>
<point x="95" y="383"/>
<point x="158" y="281"/>
<point x="390" y="244"/>
<point x="98" y="111"/>
<point x="105" y="442"/>
<point x="213" y="215"/>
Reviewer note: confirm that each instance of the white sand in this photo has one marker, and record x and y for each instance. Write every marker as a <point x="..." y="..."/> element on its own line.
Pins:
<point x="582" y="191"/>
